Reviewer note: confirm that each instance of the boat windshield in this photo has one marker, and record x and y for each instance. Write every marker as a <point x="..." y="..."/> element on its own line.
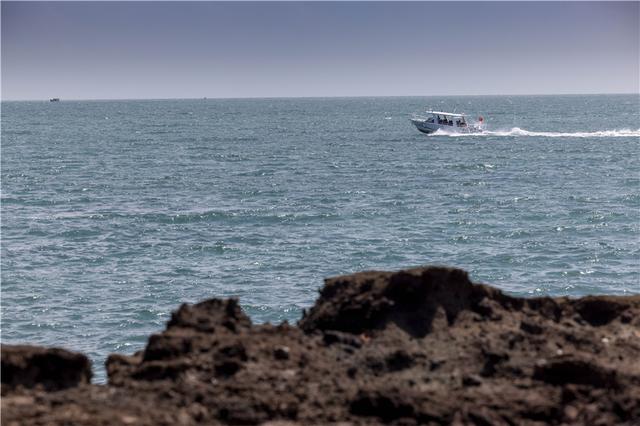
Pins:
<point x="445" y="119"/>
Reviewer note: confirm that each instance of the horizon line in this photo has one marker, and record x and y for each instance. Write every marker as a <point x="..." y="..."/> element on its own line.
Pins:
<point x="313" y="97"/>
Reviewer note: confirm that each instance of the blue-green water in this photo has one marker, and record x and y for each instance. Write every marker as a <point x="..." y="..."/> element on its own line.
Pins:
<point x="115" y="212"/>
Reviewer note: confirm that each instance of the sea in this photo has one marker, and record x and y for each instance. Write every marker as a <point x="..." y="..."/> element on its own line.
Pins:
<point x="114" y="213"/>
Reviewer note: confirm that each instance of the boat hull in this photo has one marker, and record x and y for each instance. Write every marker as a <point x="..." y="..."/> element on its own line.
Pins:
<point x="428" y="128"/>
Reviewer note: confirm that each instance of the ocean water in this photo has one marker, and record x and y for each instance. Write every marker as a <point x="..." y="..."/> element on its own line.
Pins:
<point x="115" y="212"/>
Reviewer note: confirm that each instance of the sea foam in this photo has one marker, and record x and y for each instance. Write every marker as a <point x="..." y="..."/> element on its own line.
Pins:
<point x="517" y="131"/>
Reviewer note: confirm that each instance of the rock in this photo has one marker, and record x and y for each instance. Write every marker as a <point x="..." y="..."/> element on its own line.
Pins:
<point x="530" y="327"/>
<point x="370" y="301"/>
<point x="281" y="353"/>
<point x="579" y="371"/>
<point x="472" y="380"/>
<point x="387" y="406"/>
<point x="420" y="346"/>
<point x="51" y="369"/>
<point x="600" y="310"/>
<point x="208" y="315"/>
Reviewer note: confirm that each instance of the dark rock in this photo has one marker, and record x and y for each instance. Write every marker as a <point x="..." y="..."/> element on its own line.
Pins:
<point x="387" y="406"/>
<point x="156" y="370"/>
<point x="227" y="368"/>
<point x="472" y="380"/>
<point x="576" y="371"/>
<point x="229" y="359"/>
<point x="331" y="337"/>
<point x="52" y="369"/>
<point x="166" y="346"/>
<point x="236" y="351"/>
<point x="491" y="359"/>
<point x="371" y="300"/>
<point x="531" y="327"/>
<point x="600" y="310"/>
<point x="421" y="346"/>
<point x="399" y="360"/>
<point x="206" y="316"/>
<point x="281" y="353"/>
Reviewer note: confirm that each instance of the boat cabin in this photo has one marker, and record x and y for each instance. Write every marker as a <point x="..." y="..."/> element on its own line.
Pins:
<point x="447" y="119"/>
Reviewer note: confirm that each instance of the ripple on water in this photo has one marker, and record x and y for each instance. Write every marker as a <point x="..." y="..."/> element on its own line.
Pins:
<point x="108" y="225"/>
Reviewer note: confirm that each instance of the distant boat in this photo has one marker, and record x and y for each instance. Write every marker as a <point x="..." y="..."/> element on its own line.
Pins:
<point x="447" y="121"/>
<point x="54" y="100"/>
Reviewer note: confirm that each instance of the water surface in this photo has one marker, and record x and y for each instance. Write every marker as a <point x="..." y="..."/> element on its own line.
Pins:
<point x="115" y="212"/>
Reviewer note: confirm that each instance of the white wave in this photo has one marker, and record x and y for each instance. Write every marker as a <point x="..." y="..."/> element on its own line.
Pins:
<point x="516" y="131"/>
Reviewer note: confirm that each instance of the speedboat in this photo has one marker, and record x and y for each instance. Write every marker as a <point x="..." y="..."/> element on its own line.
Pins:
<point x="446" y="121"/>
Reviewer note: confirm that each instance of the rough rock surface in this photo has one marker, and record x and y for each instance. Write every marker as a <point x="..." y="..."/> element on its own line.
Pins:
<point x="420" y="346"/>
<point x="49" y="369"/>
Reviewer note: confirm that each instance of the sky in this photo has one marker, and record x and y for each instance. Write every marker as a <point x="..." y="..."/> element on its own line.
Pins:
<point x="151" y="50"/>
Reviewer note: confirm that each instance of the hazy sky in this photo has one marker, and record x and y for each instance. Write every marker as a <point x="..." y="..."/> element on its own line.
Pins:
<point x="181" y="50"/>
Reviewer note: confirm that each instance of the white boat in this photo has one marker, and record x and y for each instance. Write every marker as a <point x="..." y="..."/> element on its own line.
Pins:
<point x="447" y="121"/>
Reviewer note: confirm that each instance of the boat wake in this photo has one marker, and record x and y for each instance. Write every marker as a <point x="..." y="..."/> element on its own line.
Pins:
<point x="516" y="131"/>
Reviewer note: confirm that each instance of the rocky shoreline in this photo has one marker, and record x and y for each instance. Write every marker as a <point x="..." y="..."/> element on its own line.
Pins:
<point x="419" y="346"/>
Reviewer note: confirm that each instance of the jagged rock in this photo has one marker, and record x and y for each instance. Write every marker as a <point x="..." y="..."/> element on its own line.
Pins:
<point x="50" y="369"/>
<point x="369" y="301"/>
<point x="420" y="346"/>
